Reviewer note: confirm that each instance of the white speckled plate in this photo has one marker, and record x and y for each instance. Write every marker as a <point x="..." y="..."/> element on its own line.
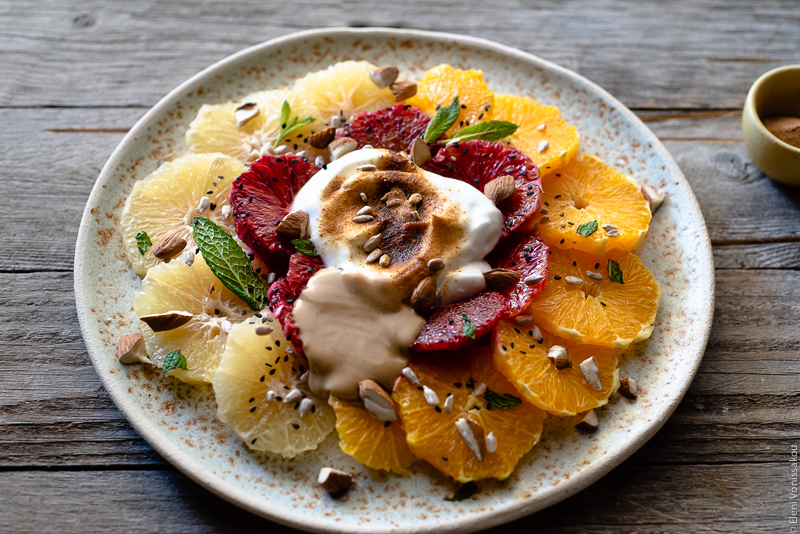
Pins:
<point x="179" y="421"/>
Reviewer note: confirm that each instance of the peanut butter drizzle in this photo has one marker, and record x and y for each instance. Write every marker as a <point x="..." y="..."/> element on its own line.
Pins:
<point x="354" y="328"/>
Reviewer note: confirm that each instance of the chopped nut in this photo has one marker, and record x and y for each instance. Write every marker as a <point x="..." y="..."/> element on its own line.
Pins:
<point x="169" y="246"/>
<point x="393" y="203"/>
<point x="420" y="152"/>
<point x="500" y="189"/>
<point x="293" y="226"/>
<point x="161" y="322"/>
<point x="377" y="401"/>
<point x="335" y="482"/>
<point x="322" y="139"/>
<point x="403" y="90"/>
<point x="472" y="434"/>
<point x="629" y="388"/>
<point x="589" y="422"/>
<point x="415" y="199"/>
<point x="655" y="197"/>
<point x="559" y="356"/>
<point x="424" y="294"/>
<point x="341" y="146"/>
<point x="263" y="330"/>
<point x="591" y="373"/>
<point x="384" y="261"/>
<point x="500" y="279"/>
<point x="131" y="350"/>
<point x="384" y="76"/>
<point x="523" y="320"/>
<point x="415" y="215"/>
<point x="245" y="113"/>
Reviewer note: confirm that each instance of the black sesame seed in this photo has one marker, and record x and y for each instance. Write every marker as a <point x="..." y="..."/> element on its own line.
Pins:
<point x="438" y="409"/>
<point x="253" y="441"/>
<point x="457" y="384"/>
<point x="272" y="372"/>
<point x="252" y="409"/>
<point x="386" y="424"/>
<point x="262" y="378"/>
<point x="556" y="277"/>
<point x="295" y="426"/>
<point x="252" y="399"/>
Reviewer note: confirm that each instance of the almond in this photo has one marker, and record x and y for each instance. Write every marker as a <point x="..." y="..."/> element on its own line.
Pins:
<point x="322" y="139"/>
<point x="500" y="279"/>
<point x="589" y="422"/>
<point x="403" y="90"/>
<point x="335" y="482"/>
<point x="420" y="152"/>
<point x="424" y="294"/>
<point x="169" y="246"/>
<point x="161" y="322"/>
<point x="131" y="349"/>
<point x="629" y="388"/>
<point x="591" y="373"/>
<point x="293" y="226"/>
<point x="384" y="76"/>
<point x="341" y="146"/>
<point x="377" y="401"/>
<point x="559" y="356"/>
<point x="500" y="189"/>
<point x="245" y="113"/>
<point x="654" y="197"/>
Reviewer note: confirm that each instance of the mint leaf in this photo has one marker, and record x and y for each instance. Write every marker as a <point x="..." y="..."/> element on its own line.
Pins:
<point x="304" y="246"/>
<point x="464" y="492"/>
<point x="586" y="229"/>
<point x="289" y="125"/>
<point x="442" y="121"/>
<point x="486" y="131"/>
<point x="503" y="401"/>
<point x="229" y="263"/>
<point x="614" y="272"/>
<point x="143" y="242"/>
<point x="174" y="360"/>
<point x="469" y="326"/>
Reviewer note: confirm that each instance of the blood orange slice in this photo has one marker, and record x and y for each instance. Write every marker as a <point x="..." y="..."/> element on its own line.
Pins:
<point x="392" y="128"/>
<point x="285" y="292"/>
<point x="528" y="255"/>
<point x="460" y="323"/>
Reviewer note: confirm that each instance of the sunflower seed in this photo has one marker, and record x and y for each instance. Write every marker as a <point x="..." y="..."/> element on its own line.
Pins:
<point x="280" y="149"/>
<point x="374" y="255"/>
<point x="409" y="373"/>
<point x="270" y="396"/>
<point x="385" y="261"/>
<point x="205" y="202"/>
<point x="591" y="373"/>
<point x="366" y="168"/>
<point x="436" y="264"/>
<point x="263" y="330"/>
<point x="533" y="279"/>
<point x="363" y="197"/>
<point x="468" y="435"/>
<point x="448" y="404"/>
<point x="594" y="276"/>
<point x="574" y="280"/>
<point x="304" y="376"/>
<point x="372" y="243"/>
<point x="271" y="278"/>
<point x="366" y="210"/>
<point x="293" y="396"/>
<point x="543" y="145"/>
<point x="319" y="161"/>
<point x="544" y="211"/>
<point x="226" y="211"/>
<point x="611" y="230"/>
<point x="188" y="257"/>
<point x="362" y="218"/>
<point x="491" y="443"/>
<point x="480" y="389"/>
<point x="522" y="320"/>
<point x="430" y="396"/>
<point x="305" y="407"/>
<point x="541" y="127"/>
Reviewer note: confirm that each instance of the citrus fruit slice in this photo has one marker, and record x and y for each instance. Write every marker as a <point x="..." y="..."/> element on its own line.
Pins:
<point x="586" y="196"/>
<point x="524" y="361"/>
<point x="342" y="90"/>
<point x="261" y="198"/>
<point x="375" y="444"/>
<point x="251" y="367"/>
<point x="582" y="302"/>
<point x="215" y="130"/>
<point x="543" y="134"/>
<point x="175" y="286"/>
<point x="168" y="200"/>
<point x="460" y="323"/>
<point x="511" y="425"/>
<point x="392" y="128"/>
<point x="479" y="162"/>
<point x="440" y="85"/>
<point x="527" y="255"/>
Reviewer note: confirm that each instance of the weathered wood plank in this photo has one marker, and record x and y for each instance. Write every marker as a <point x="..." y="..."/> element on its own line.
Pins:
<point x="68" y="147"/>
<point x="688" y="54"/>
<point x="740" y="408"/>
<point x="664" y="499"/>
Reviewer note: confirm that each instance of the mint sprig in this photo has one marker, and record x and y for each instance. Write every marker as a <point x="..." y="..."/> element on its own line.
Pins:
<point x="502" y="401"/>
<point x="143" y="242"/>
<point x="305" y="246"/>
<point x="464" y="492"/>
<point x="485" y="131"/>
<point x="469" y="326"/>
<point x="229" y="263"/>
<point x="289" y="124"/>
<point x="445" y="117"/>
<point x="174" y="360"/>
<point x="614" y="272"/>
<point x="586" y="229"/>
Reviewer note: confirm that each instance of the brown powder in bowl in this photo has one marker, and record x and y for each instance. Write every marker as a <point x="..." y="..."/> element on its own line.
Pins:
<point x="787" y="129"/>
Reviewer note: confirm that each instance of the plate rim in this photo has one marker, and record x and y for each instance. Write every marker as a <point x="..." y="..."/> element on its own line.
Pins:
<point x="492" y="517"/>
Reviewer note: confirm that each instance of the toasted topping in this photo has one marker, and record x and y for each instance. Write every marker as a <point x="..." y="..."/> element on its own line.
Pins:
<point x="574" y="280"/>
<point x="424" y="294"/>
<point x="263" y="330"/>
<point x="131" y="350"/>
<point x="655" y="197"/>
<point x="374" y="255"/>
<point x="430" y="396"/>
<point x="377" y="401"/>
<point x="448" y="403"/>
<point x="559" y="356"/>
<point x="340" y="146"/>
<point x="366" y="210"/>
<point x="500" y="279"/>
<point x="335" y="482"/>
<point x="594" y="276"/>
<point x="322" y="139"/>
<point x="245" y="113"/>
<point x="305" y="407"/>
<point x="384" y="76"/>
<point x="420" y="152"/>
<point x="611" y="230"/>
<point x="293" y="226"/>
<point x="372" y="243"/>
<point x="293" y="396"/>
<point x="628" y="387"/>
<point x="403" y="90"/>
<point x="500" y="189"/>
<point x="385" y="261"/>
<point x="362" y="218"/>
<point x="161" y="322"/>
<point x="591" y="373"/>
<point x="589" y="422"/>
<point x="168" y="247"/>
<point x="415" y="199"/>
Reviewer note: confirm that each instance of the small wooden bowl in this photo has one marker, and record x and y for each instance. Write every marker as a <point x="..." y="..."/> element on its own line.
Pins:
<point x="775" y="93"/>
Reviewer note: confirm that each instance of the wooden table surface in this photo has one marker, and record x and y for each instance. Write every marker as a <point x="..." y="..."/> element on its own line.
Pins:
<point x="75" y="75"/>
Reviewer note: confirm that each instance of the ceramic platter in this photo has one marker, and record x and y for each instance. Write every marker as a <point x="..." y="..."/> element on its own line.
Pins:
<point x="179" y="421"/>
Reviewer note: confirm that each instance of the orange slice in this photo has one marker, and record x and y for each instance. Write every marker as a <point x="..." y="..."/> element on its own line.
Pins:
<point x="431" y="431"/>
<point x="375" y="444"/>
<point x="597" y="312"/>
<point x="549" y="140"/>
<point x="587" y="191"/>
<point x="441" y="84"/>
<point x="524" y="361"/>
